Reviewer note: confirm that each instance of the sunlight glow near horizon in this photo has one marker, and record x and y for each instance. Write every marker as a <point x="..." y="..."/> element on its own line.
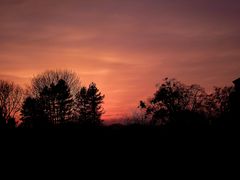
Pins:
<point x="125" y="47"/>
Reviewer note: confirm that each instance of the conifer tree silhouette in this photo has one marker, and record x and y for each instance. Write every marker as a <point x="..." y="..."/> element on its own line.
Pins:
<point x="89" y="105"/>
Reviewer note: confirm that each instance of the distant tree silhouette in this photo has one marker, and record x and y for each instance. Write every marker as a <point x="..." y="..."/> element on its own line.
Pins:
<point x="137" y="118"/>
<point x="89" y="105"/>
<point x="196" y="96"/>
<point x="11" y="97"/>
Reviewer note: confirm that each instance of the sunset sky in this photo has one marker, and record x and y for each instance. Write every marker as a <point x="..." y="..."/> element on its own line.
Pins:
<point x="125" y="46"/>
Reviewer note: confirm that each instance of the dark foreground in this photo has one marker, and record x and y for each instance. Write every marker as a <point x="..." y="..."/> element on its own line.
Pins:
<point x="103" y="147"/>
<point x="113" y="133"/>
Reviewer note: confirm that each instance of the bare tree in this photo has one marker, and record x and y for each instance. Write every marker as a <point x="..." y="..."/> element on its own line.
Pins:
<point x="50" y="77"/>
<point x="11" y="97"/>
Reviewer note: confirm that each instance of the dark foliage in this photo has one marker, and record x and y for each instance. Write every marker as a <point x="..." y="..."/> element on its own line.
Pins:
<point x="55" y="106"/>
<point x="177" y="105"/>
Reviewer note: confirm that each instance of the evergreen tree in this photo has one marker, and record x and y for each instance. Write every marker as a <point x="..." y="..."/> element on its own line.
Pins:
<point x="64" y="101"/>
<point x="82" y="106"/>
<point x="95" y="100"/>
<point x="28" y="112"/>
<point x="32" y="114"/>
<point x="53" y="106"/>
<point x="46" y="104"/>
<point x="89" y="105"/>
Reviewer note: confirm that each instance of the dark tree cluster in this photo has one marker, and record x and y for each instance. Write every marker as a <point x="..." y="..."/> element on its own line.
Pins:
<point x="175" y="104"/>
<point x="53" y="106"/>
<point x="55" y="102"/>
<point x="88" y="103"/>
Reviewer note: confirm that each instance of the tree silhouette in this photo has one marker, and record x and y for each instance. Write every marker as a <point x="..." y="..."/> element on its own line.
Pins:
<point x="53" y="100"/>
<point x="46" y="104"/>
<point x="174" y="101"/>
<point x="28" y="112"/>
<point x="82" y="104"/>
<point x="47" y="78"/>
<point x="89" y="105"/>
<point x="33" y="115"/>
<point x="218" y="106"/>
<point x="11" y="97"/>
<point x="64" y="101"/>
<point x="54" y="105"/>
<point x="54" y="92"/>
<point x="95" y="99"/>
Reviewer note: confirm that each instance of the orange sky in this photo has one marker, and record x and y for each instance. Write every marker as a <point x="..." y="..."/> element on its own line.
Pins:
<point x="125" y="46"/>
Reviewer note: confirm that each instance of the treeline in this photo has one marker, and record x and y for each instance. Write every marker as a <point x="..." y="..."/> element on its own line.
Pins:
<point x="56" y="99"/>
<point x="175" y="104"/>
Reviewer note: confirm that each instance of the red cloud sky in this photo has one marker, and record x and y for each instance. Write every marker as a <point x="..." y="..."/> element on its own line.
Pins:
<point x="125" y="46"/>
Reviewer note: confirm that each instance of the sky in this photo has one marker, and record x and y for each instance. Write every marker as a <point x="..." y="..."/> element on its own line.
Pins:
<point x="125" y="46"/>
